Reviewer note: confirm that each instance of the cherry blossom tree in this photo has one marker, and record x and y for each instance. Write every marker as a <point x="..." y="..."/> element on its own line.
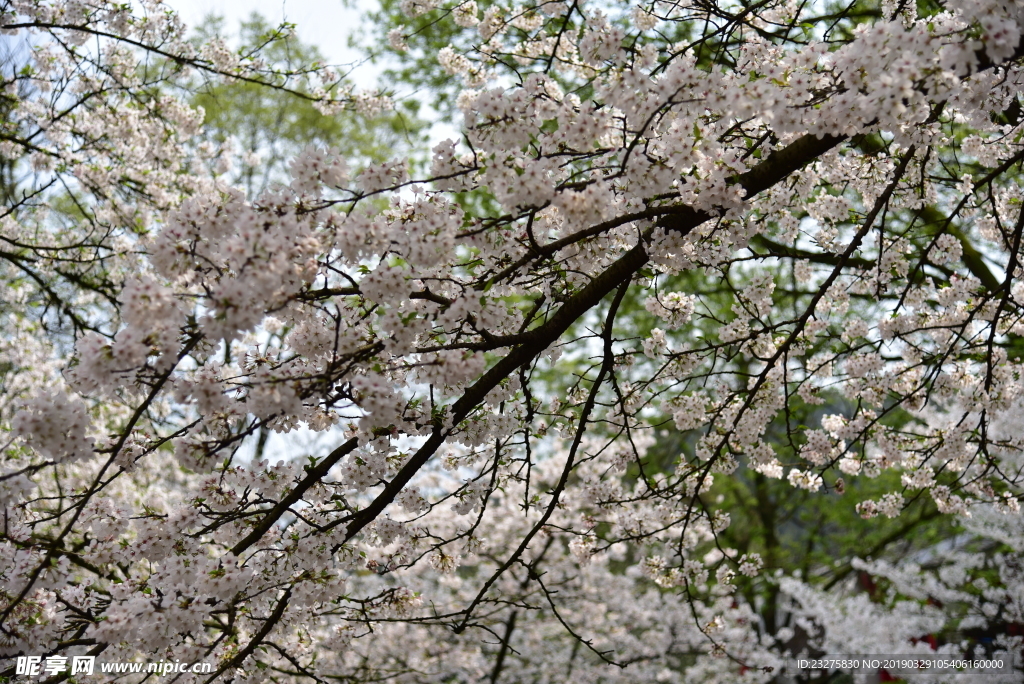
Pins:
<point x="480" y="423"/>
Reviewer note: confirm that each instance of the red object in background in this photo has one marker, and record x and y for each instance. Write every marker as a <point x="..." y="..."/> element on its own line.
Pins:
<point x="884" y="676"/>
<point x="928" y="639"/>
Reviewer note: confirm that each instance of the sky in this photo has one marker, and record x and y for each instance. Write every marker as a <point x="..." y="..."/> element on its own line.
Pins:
<point x="324" y="23"/>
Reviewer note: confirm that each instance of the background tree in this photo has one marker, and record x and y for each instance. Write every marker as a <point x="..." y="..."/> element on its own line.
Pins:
<point x="269" y="127"/>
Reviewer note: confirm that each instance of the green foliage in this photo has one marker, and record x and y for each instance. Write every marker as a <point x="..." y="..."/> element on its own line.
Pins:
<point x="417" y="67"/>
<point x="272" y="125"/>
